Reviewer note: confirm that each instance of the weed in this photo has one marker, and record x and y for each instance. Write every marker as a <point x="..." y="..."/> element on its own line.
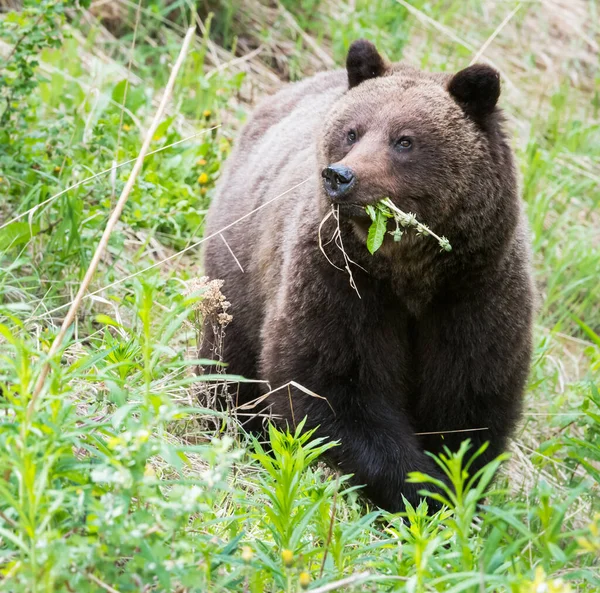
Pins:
<point x="385" y="210"/>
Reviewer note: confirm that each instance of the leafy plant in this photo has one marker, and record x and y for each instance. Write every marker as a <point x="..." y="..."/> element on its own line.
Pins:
<point x="586" y="449"/>
<point x="385" y="210"/>
<point x="292" y="453"/>
<point x="36" y="27"/>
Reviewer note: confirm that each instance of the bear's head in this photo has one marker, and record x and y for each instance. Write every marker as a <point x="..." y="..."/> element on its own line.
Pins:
<point x="432" y="143"/>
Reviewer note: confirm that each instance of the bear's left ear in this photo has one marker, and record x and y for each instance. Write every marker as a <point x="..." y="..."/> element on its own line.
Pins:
<point x="363" y="62"/>
<point x="476" y="89"/>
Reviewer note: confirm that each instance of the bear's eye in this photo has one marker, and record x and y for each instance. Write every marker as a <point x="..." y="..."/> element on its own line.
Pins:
<point x="403" y="143"/>
<point x="351" y="137"/>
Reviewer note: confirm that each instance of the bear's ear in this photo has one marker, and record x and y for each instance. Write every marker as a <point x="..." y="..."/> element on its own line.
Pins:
<point x="363" y="62"/>
<point x="476" y="89"/>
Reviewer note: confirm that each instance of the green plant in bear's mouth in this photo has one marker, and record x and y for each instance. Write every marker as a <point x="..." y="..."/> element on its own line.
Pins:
<point x="385" y="209"/>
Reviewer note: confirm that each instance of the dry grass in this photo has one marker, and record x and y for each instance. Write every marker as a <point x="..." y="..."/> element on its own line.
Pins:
<point x="546" y="43"/>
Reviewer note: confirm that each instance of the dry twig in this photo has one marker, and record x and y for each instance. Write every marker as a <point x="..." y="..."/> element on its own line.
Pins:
<point x="112" y="221"/>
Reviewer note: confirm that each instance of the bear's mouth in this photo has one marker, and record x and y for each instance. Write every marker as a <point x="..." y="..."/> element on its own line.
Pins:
<point x="349" y="210"/>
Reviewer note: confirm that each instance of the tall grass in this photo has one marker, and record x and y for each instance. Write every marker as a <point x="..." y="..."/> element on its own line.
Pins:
<point x="118" y="479"/>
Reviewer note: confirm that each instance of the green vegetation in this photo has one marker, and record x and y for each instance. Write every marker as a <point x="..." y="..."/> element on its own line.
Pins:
<point x="119" y="478"/>
<point x="385" y="210"/>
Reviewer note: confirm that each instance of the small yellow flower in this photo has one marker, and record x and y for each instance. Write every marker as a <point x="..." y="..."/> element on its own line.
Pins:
<point x="247" y="554"/>
<point x="203" y="179"/>
<point x="591" y="542"/>
<point x="288" y="557"/>
<point x="207" y="113"/>
<point x="540" y="577"/>
<point x="57" y="169"/>
<point x="114" y="442"/>
<point x="201" y="162"/>
<point x="142" y="436"/>
<point x="304" y="580"/>
<point x="541" y="584"/>
<point x="126" y="127"/>
<point x="595" y="525"/>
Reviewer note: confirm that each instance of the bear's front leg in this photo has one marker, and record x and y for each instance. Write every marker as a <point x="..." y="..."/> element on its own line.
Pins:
<point x="356" y="364"/>
<point x="376" y="441"/>
<point x="473" y="356"/>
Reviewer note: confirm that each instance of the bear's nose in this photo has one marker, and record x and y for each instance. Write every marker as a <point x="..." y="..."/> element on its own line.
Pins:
<point x="337" y="180"/>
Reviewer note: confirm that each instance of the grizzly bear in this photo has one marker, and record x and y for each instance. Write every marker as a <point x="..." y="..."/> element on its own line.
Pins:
<point x="412" y="348"/>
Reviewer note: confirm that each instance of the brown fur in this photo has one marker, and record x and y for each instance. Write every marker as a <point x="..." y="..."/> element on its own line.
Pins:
<point x="439" y="341"/>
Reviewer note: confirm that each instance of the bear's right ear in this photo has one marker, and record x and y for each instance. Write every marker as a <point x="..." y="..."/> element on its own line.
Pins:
<point x="363" y="62"/>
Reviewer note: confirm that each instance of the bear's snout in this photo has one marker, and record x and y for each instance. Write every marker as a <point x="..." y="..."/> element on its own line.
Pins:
<point x="338" y="180"/>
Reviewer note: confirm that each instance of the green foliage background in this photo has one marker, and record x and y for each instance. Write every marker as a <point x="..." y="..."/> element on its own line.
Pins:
<point x="117" y="479"/>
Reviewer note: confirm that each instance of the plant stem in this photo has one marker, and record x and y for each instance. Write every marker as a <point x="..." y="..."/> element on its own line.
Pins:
<point x="112" y="221"/>
<point x="424" y="229"/>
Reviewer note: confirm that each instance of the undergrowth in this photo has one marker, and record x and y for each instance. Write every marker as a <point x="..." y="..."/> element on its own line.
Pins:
<point x="117" y="479"/>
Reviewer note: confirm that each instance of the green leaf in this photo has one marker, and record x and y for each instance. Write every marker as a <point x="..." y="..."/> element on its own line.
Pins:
<point x="376" y="232"/>
<point x="557" y="553"/>
<point x="588" y="330"/>
<point x="106" y="320"/>
<point x="163" y="127"/>
<point x="17" y="233"/>
<point x="15" y="539"/>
